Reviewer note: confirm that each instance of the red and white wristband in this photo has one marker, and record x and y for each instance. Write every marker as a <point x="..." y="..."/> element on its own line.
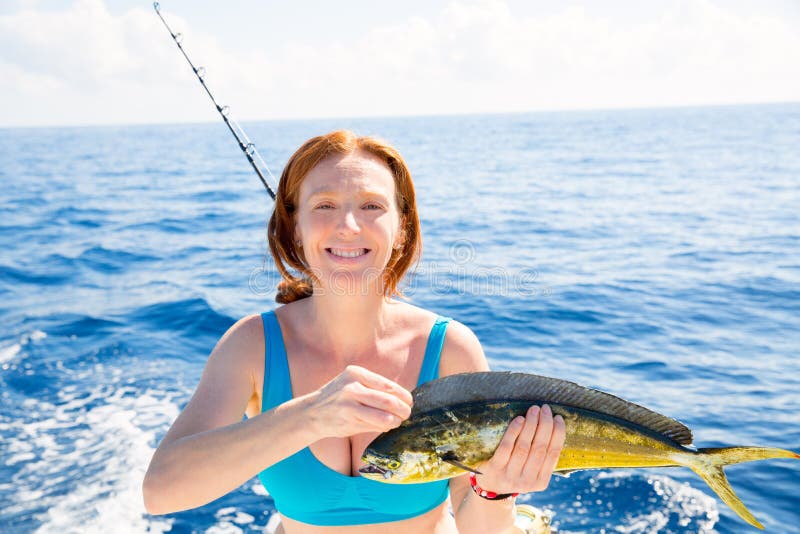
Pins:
<point x="489" y="495"/>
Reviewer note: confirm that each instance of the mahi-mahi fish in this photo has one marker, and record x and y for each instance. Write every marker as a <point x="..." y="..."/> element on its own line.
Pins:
<point x="457" y="422"/>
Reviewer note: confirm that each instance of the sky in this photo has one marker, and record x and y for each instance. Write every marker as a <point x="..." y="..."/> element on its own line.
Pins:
<point x="85" y="62"/>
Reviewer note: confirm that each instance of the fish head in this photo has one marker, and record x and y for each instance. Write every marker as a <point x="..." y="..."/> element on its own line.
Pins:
<point x="399" y="468"/>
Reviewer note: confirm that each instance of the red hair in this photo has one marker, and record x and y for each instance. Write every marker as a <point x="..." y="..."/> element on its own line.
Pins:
<point x="281" y="228"/>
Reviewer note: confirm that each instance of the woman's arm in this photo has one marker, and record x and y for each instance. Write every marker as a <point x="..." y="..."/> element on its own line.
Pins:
<point x="209" y="450"/>
<point x="523" y="462"/>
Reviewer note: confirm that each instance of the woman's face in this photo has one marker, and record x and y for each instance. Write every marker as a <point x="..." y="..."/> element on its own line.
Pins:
<point x="348" y="222"/>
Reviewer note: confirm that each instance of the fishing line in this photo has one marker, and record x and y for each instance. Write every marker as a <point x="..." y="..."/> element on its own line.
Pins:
<point x="247" y="146"/>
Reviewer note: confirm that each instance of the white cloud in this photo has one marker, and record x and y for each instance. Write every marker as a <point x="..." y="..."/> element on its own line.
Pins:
<point x="84" y="64"/>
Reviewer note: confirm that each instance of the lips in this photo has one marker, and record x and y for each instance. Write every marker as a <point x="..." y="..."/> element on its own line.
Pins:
<point x="347" y="252"/>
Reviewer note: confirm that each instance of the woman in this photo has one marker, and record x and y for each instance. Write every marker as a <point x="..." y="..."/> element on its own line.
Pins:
<point x="321" y="376"/>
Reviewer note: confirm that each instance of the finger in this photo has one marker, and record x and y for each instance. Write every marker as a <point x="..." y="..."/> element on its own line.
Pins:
<point x="540" y="443"/>
<point x="380" y="400"/>
<point x="374" y="419"/>
<point x="503" y="452"/>
<point x="522" y="446"/>
<point x="381" y="383"/>
<point x="553" y="453"/>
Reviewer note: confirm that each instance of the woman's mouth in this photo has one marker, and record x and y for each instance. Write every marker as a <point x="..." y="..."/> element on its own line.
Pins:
<point x="347" y="252"/>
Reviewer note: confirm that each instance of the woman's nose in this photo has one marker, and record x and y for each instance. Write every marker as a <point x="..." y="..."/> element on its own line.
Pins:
<point x="348" y="222"/>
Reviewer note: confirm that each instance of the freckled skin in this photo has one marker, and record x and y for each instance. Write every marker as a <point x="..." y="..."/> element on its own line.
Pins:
<point x="472" y="432"/>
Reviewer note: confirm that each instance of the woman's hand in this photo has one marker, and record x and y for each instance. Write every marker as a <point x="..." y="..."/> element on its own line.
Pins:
<point x="357" y="401"/>
<point x="527" y="454"/>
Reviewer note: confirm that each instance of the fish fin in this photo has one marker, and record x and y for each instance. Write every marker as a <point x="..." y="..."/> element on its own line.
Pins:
<point x="488" y="387"/>
<point x="450" y="458"/>
<point x="715" y="477"/>
<point x="710" y="470"/>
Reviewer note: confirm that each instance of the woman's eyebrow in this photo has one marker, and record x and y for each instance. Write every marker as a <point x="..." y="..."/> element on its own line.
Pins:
<point x="322" y="192"/>
<point x="374" y="194"/>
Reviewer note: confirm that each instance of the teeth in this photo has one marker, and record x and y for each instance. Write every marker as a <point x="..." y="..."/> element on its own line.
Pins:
<point x="345" y="253"/>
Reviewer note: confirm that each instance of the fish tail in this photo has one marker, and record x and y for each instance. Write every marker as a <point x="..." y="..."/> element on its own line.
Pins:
<point x="708" y="463"/>
<point x="737" y="455"/>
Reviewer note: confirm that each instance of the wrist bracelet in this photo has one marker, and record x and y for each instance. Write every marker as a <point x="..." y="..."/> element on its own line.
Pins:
<point x="488" y="495"/>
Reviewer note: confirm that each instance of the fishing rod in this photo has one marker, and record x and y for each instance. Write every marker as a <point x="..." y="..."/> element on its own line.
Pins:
<point x="248" y="147"/>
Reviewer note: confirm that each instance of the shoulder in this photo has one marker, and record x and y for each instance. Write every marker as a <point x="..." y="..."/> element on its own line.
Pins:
<point x="407" y="316"/>
<point x="242" y="344"/>
<point x="462" y="351"/>
<point x="246" y="331"/>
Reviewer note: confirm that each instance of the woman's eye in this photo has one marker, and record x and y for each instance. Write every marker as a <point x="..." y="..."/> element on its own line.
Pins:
<point x="330" y="206"/>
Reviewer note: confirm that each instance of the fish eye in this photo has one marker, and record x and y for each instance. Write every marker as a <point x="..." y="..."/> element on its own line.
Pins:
<point x="393" y="464"/>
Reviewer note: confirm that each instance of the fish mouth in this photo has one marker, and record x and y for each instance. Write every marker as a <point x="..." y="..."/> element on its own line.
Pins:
<point x="372" y="469"/>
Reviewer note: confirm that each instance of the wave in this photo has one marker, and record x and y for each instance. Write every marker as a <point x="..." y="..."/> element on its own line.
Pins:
<point x="81" y="460"/>
<point x="632" y="502"/>
<point x="53" y="273"/>
<point x="105" y="260"/>
<point x="82" y="325"/>
<point x="189" y="317"/>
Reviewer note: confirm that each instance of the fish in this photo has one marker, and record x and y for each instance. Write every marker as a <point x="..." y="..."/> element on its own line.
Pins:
<point x="457" y="422"/>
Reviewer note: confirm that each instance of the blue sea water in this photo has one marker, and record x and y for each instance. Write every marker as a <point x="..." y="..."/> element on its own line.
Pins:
<point x="651" y="253"/>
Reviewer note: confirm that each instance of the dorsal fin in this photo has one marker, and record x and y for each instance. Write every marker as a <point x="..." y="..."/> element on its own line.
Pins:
<point x="494" y="386"/>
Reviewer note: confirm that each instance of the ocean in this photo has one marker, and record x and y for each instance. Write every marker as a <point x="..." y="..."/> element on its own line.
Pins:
<point x="653" y="254"/>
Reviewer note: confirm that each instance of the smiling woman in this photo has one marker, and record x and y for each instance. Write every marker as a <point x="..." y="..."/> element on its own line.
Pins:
<point x="320" y="377"/>
<point x="344" y="186"/>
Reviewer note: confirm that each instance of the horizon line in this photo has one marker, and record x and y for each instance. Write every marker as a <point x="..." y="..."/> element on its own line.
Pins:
<point x="406" y="116"/>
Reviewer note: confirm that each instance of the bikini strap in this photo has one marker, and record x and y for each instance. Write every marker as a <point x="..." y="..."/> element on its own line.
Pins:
<point x="277" y="382"/>
<point x="433" y="351"/>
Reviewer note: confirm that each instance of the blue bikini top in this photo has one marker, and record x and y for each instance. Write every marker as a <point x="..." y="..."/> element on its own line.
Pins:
<point x="305" y="489"/>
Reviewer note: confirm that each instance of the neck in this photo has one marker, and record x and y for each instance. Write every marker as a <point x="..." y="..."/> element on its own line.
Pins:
<point x="348" y="326"/>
